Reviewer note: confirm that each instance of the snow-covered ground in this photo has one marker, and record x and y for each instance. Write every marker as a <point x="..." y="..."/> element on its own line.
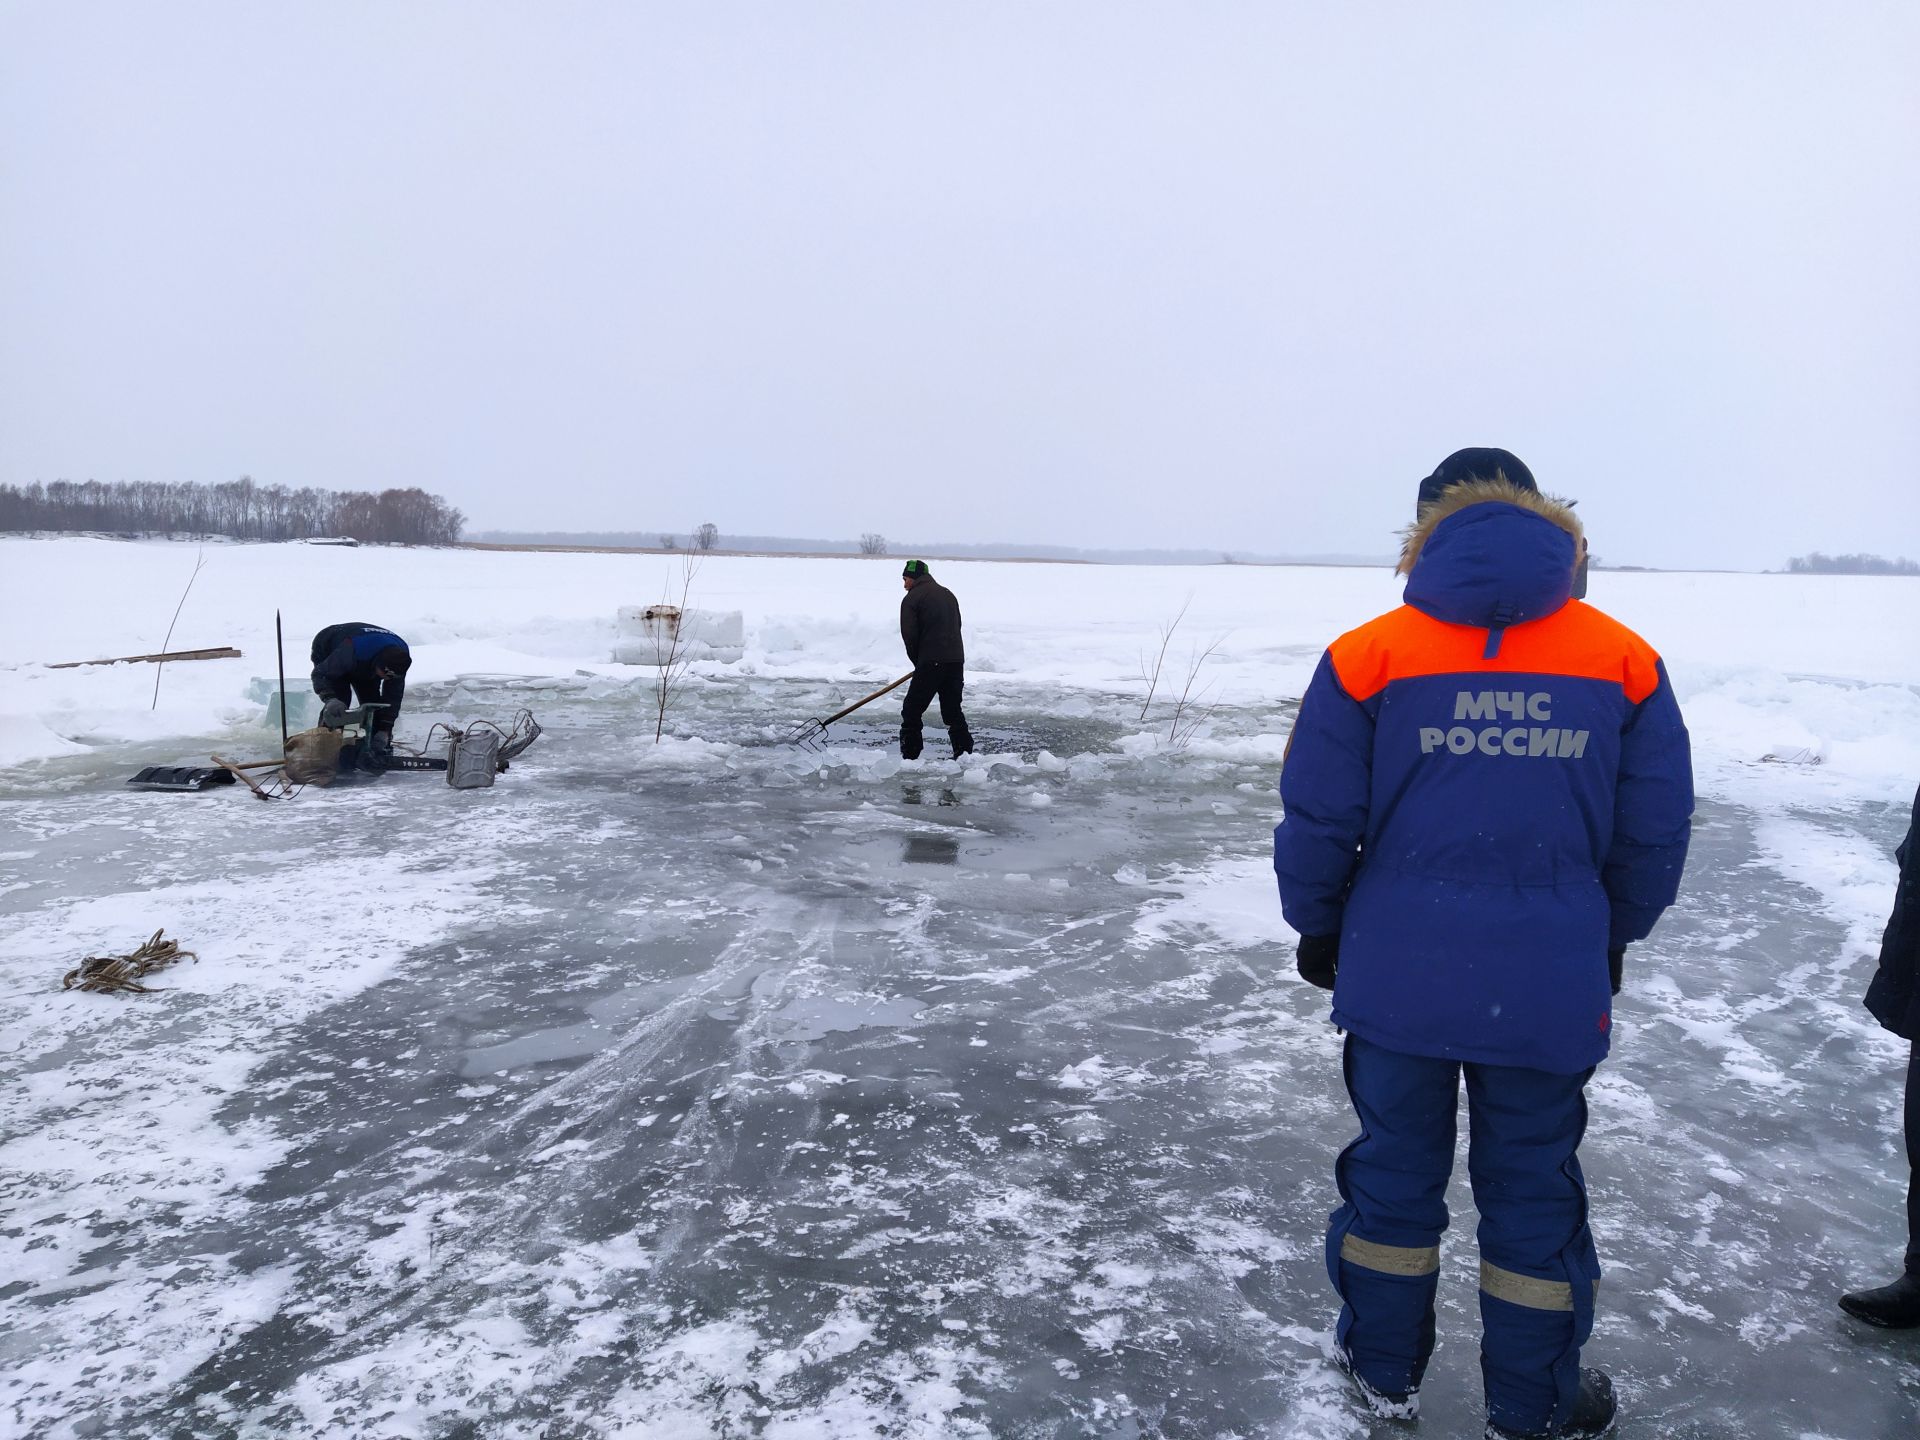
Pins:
<point x="714" y="1088"/>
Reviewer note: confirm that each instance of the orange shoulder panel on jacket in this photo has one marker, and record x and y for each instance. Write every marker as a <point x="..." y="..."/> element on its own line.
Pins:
<point x="1575" y="640"/>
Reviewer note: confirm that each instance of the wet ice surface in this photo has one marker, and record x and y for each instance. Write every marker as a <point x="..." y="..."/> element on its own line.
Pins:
<point x="722" y="1091"/>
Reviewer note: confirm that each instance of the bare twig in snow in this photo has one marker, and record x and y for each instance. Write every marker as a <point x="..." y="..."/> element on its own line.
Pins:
<point x="1188" y="717"/>
<point x="670" y="645"/>
<point x="199" y="560"/>
<point x="1151" y="672"/>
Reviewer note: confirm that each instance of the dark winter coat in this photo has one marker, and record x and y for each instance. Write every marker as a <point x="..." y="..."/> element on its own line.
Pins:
<point x="1485" y="790"/>
<point x="344" y="661"/>
<point x="1894" y="995"/>
<point x="930" y="624"/>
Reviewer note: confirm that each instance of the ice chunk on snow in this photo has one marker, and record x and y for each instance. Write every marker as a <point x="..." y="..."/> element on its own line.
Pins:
<point x="24" y="738"/>
<point x="649" y="634"/>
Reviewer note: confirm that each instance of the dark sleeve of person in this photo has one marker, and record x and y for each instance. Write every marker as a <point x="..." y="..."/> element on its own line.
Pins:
<point x="910" y="624"/>
<point x="1894" y="995"/>
<point x="330" y="673"/>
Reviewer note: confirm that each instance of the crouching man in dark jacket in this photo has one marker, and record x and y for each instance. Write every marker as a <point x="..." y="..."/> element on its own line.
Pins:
<point x="930" y="629"/>
<point x="367" y="662"/>
<point x="1487" y="797"/>
<point x="1894" y="1000"/>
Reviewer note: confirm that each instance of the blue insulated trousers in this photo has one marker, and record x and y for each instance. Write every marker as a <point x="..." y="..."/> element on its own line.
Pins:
<point x="1537" y="1262"/>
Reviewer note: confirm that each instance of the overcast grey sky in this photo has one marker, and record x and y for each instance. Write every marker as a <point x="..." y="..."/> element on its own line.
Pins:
<point x="1228" y="275"/>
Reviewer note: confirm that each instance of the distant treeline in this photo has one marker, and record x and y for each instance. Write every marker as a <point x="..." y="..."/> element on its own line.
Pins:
<point x="1818" y="564"/>
<point x="238" y="508"/>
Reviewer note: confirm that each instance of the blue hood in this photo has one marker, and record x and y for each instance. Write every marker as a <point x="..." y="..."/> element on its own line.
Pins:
<point x="1492" y="565"/>
<point x="369" y="644"/>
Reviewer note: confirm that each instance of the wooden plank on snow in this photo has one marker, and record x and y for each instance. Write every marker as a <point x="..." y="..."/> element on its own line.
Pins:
<point x="223" y="652"/>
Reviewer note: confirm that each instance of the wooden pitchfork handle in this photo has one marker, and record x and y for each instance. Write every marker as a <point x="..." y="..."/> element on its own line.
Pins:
<point x="842" y="714"/>
<point x="239" y="772"/>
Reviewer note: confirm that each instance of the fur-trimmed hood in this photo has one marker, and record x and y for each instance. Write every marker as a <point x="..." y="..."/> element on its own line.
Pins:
<point x="1489" y="553"/>
<point x="1478" y="492"/>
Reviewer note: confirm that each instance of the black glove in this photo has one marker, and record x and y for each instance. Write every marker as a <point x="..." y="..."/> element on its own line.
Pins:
<point x="1317" y="958"/>
<point x="379" y="749"/>
<point x="333" y="716"/>
<point x="1616" y="962"/>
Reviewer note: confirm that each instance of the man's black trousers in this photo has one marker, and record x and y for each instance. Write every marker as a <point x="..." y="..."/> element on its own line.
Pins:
<point x="945" y="680"/>
<point x="1913" y="1160"/>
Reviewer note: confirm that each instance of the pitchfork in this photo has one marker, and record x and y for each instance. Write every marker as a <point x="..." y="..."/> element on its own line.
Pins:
<point x="813" y="734"/>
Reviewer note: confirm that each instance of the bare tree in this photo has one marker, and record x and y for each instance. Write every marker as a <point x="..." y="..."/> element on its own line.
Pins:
<point x="1188" y="714"/>
<point x="1150" y="668"/>
<point x="669" y="542"/>
<point x="707" y="536"/>
<point x="1190" y="711"/>
<point x="873" y="543"/>
<point x="670" y="643"/>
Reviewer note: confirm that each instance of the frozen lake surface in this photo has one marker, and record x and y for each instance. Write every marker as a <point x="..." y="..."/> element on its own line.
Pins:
<point x="714" y="1089"/>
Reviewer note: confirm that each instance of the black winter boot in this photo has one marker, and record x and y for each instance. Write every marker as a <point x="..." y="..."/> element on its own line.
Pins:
<point x="1894" y="1307"/>
<point x="1593" y="1412"/>
<point x="1388" y="1405"/>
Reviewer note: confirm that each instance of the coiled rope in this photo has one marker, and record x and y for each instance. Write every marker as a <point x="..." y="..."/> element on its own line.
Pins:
<point x="111" y="974"/>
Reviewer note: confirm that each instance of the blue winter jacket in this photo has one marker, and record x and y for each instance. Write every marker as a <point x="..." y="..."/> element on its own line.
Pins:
<point x="1485" y="790"/>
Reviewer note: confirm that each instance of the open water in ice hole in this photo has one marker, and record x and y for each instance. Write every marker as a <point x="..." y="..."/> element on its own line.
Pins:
<point x="761" y="1092"/>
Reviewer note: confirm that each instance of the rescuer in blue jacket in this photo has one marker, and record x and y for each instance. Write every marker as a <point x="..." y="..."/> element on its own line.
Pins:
<point x="1487" y="799"/>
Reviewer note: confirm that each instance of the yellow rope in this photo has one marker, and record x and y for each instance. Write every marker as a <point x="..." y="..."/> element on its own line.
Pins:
<point x="106" y="974"/>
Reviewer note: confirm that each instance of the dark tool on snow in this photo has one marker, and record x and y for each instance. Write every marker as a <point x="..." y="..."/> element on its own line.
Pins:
<point x="182" y="777"/>
<point x="813" y="734"/>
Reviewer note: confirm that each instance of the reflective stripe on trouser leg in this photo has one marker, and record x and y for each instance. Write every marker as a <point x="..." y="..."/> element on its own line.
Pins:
<point x="1412" y="1261"/>
<point x="1383" y="1244"/>
<point x="1525" y="1290"/>
<point x="1538" y="1268"/>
